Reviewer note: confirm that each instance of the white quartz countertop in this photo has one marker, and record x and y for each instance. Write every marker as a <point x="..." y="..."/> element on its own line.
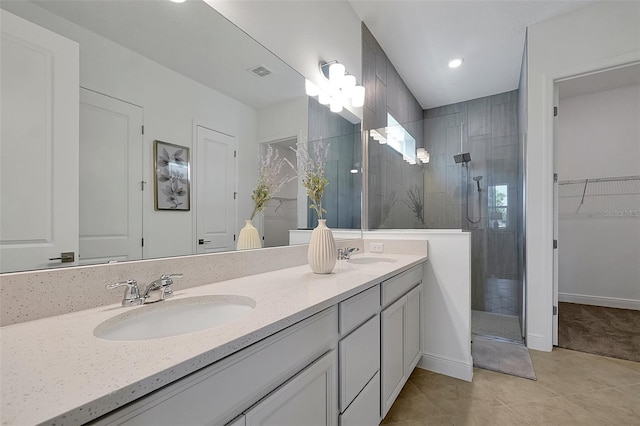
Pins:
<point x="55" y="371"/>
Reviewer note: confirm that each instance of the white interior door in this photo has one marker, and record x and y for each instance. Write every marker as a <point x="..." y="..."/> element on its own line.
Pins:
<point x="215" y="185"/>
<point x="38" y="146"/>
<point x="554" y="334"/>
<point x="110" y="179"/>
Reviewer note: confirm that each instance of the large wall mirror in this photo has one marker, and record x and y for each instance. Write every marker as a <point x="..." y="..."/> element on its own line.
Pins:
<point x="81" y="132"/>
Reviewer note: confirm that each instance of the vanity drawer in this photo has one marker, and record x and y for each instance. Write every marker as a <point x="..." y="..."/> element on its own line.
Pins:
<point x="359" y="360"/>
<point x="359" y="308"/>
<point x="399" y="285"/>
<point x="365" y="409"/>
<point x="220" y="392"/>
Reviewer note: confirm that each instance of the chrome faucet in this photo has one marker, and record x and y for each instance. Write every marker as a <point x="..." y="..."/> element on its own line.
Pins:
<point x="157" y="291"/>
<point x="131" y="293"/>
<point x="345" y="253"/>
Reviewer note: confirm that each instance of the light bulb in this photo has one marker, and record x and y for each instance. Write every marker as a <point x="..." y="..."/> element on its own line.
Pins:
<point x="348" y="82"/>
<point x="357" y="96"/>
<point x="311" y="88"/>
<point x="336" y="74"/>
<point x="335" y="105"/>
<point x="455" y="63"/>
<point x="324" y="98"/>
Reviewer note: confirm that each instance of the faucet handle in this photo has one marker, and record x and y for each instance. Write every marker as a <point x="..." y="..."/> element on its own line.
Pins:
<point x="345" y="253"/>
<point x="131" y="293"/>
<point x="167" y="280"/>
<point x="170" y="276"/>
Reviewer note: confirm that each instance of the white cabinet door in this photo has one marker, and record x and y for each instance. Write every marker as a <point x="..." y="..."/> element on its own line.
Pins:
<point x="110" y="179"/>
<point x="412" y="333"/>
<point x="400" y="341"/>
<point x="38" y="146"/>
<point x="359" y="360"/>
<point x="215" y="188"/>
<point x="393" y="350"/>
<point x="365" y="409"/>
<point x="310" y="398"/>
<point x="240" y="421"/>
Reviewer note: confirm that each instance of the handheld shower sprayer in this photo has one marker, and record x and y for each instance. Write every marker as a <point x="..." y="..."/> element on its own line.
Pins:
<point x="478" y="179"/>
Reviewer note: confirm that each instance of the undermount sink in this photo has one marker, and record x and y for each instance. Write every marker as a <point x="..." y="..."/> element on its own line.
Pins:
<point x="174" y="317"/>
<point x="370" y="260"/>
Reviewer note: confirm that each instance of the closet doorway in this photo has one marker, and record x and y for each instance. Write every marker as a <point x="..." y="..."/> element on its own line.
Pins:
<point x="281" y="212"/>
<point x="597" y="220"/>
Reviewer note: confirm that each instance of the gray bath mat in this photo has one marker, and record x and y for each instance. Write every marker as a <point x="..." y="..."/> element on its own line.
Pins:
<point x="503" y="357"/>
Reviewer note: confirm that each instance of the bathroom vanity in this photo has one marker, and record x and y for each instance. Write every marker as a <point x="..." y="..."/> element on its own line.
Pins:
<point x="316" y="349"/>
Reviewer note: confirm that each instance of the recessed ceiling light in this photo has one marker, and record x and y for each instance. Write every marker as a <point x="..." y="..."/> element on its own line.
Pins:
<point x="455" y="63"/>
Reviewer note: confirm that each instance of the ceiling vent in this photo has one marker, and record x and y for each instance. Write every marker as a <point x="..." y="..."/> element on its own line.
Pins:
<point x="260" y="71"/>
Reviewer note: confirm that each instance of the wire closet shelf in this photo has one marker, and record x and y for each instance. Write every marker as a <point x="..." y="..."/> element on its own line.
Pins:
<point x="611" y="197"/>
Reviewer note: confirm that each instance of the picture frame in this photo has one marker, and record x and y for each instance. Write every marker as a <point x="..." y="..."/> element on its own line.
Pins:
<point x="172" y="176"/>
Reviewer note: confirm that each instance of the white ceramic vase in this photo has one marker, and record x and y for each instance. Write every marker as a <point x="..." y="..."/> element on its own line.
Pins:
<point x="249" y="237"/>
<point x="322" y="253"/>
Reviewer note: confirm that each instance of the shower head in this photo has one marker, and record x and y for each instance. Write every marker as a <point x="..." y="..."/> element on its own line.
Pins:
<point x="462" y="158"/>
<point x="477" y="179"/>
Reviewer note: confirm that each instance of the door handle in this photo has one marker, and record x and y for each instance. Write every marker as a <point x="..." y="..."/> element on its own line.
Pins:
<point x="203" y="241"/>
<point x="65" y="257"/>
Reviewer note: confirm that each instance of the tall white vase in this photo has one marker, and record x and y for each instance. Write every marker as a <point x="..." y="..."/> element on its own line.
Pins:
<point x="322" y="253"/>
<point x="249" y="237"/>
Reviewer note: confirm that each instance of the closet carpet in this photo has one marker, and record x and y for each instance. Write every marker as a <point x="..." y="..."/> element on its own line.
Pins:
<point x="599" y="330"/>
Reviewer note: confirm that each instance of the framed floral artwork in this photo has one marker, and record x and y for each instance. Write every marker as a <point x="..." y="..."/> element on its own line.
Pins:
<point x="171" y="177"/>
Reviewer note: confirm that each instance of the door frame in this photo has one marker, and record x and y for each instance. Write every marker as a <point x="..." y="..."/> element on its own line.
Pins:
<point x="261" y="145"/>
<point x="554" y="126"/>
<point x="194" y="182"/>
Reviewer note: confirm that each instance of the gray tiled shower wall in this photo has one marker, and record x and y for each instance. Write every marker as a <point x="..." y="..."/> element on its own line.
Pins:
<point x="487" y="128"/>
<point x="342" y="196"/>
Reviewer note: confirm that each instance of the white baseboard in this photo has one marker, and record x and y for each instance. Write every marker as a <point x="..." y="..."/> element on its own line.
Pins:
<point x="448" y="367"/>
<point x="609" y="302"/>
<point x="538" y="342"/>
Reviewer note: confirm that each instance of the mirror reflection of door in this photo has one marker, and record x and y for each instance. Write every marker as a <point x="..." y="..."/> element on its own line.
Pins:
<point x="39" y="209"/>
<point x="110" y="179"/>
<point x="215" y="183"/>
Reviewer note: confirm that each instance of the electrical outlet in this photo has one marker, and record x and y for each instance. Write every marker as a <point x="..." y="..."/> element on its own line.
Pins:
<point x="376" y="247"/>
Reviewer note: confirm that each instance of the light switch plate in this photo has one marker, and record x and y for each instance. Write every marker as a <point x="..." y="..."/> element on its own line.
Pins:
<point x="376" y="247"/>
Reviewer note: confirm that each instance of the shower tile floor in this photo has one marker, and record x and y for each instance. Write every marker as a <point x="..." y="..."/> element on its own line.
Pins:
<point x="496" y="325"/>
<point x="496" y="295"/>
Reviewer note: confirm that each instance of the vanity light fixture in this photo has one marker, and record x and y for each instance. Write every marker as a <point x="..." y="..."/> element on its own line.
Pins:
<point x="311" y="88"/>
<point x="177" y="1"/>
<point x="423" y="155"/>
<point x="340" y="90"/>
<point x="378" y="136"/>
<point x="456" y="62"/>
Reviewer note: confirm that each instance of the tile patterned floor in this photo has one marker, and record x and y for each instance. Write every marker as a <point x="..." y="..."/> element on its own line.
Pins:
<point x="573" y="388"/>
<point x="496" y="295"/>
<point x="497" y="325"/>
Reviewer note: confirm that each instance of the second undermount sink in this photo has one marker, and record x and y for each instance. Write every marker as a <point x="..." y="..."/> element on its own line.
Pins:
<point x="174" y="317"/>
<point x="370" y="260"/>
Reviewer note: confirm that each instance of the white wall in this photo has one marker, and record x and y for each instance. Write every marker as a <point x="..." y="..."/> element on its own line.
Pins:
<point x="594" y="37"/>
<point x="282" y="121"/>
<point x="446" y="322"/>
<point x="599" y="136"/>
<point x="172" y="105"/>
<point x="302" y="33"/>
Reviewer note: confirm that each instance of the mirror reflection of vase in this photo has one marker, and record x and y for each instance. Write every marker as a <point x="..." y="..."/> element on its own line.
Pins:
<point x="249" y="237"/>
<point x="322" y="253"/>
